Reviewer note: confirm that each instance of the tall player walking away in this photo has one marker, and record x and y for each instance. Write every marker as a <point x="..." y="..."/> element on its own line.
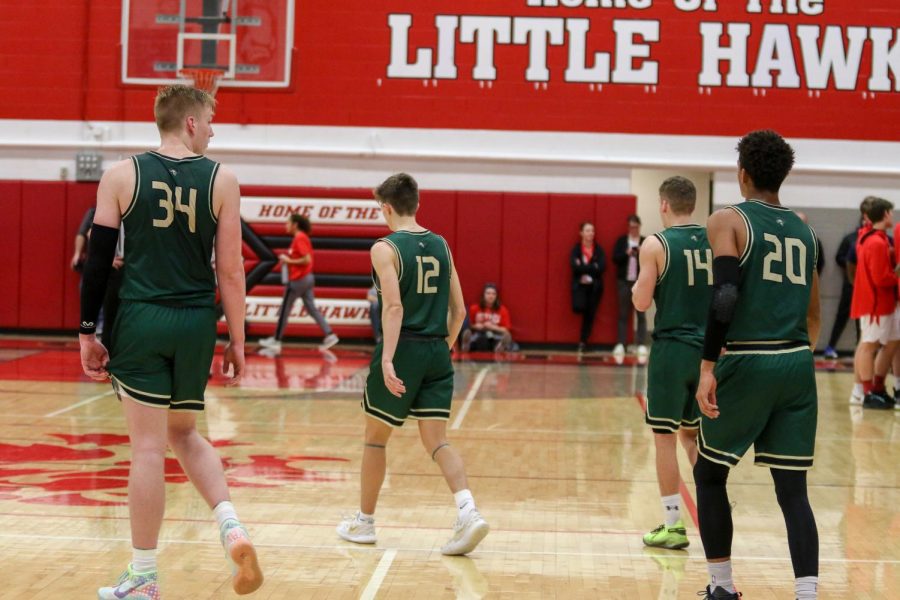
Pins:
<point x="411" y="374"/>
<point x="676" y="273"/>
<point x="174" y="204"/>
<point x="762" y="392"/>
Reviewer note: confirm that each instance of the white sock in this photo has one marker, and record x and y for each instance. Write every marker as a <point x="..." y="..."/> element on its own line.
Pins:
<point x="143" y="561"/>
<point x="720" y="576"/>
<point x="364" y="518"/>
<point x="806" y="587"/>
<point x="464" y="502"/>
<point x="857" y="389"/>
<point x="671" y="509"/>
<point x="224" y="511"/>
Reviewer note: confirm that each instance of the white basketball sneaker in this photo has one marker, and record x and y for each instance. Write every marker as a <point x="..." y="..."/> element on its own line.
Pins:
<point x="356" y="530"/>
<point x="270" y="342"/>
<point x="467" y="534"/>
<point x="329" y="341"/>
<point x="856" y="396"/>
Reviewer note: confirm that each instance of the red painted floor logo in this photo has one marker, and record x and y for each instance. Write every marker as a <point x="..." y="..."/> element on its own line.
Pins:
<point x="82" y="471"/>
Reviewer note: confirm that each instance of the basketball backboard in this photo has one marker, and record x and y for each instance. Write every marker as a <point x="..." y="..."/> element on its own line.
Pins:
<point x="250" y="41"/>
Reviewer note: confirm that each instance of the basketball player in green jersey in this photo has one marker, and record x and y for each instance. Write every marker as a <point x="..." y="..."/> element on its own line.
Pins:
<point x="762" y="391"/>
<point x="676" y="273"/>
<point x="411" y="374"/>
<point x="174" y="205"/>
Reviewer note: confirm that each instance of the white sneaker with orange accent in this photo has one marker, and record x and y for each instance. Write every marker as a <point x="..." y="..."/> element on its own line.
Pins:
<point x="246" y="574"/>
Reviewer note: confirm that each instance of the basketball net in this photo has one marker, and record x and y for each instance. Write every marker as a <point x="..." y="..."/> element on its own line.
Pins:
<point x="204" y="79"/>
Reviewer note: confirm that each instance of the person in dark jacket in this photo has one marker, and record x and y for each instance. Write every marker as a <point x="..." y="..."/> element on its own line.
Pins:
<point x="588" y="264"/>
<point x="625" y="255"/>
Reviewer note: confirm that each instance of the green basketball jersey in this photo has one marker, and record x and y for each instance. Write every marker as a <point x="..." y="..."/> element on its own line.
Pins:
<point x="777" y="269"/>
<point x="684" y="288"/>
<point x="169" y="231"/>
<point x="425" y="265"/>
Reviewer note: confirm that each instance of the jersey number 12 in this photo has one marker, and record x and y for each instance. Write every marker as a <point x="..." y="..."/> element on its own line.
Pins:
<point x="429" y="267"/>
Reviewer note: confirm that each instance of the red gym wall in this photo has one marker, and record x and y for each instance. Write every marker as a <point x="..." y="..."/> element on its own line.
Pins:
<point x="62" y="61"/>
<point x="519" y="241"/>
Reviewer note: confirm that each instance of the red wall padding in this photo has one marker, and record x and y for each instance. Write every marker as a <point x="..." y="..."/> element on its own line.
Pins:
<point x="519" y="241"/>
<point x="10" y="237"/>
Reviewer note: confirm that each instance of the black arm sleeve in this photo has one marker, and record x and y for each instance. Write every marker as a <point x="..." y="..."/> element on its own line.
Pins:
<point x="96" y="273"/>
<point x="726" y="277"/>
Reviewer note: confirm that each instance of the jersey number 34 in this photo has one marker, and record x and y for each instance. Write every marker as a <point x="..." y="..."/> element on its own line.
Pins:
<point x="190" y="209"/>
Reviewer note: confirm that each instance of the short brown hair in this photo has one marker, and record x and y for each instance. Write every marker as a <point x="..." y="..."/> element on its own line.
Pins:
<point x="865" y="204"/>
<point x="680" y="194"/>
<point x="400" y="191"/>
<point x="175" y="102"/>
<point x="878" y="208"/>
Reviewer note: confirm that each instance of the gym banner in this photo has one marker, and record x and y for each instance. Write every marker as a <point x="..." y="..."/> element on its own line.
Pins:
<point x="325" y="211"/>
<point x="810" y="68"/>
<point x="264" y="309"/>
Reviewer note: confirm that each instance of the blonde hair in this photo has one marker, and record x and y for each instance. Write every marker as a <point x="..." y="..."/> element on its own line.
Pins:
<point x="175" y="102"/>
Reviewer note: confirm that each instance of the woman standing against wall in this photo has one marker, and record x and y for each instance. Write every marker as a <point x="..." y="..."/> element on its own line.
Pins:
<point x="588" y="264"/>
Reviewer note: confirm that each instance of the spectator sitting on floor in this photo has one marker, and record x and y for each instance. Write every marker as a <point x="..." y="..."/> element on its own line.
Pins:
<point x="489" y="324"/>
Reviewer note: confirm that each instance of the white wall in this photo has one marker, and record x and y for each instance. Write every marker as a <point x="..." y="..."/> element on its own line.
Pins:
<point x="645" y="185"/>
<point x="828" y="173"/>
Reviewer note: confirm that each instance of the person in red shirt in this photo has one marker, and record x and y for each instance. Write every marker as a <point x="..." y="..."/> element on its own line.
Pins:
<point x="875" y="305"/>
<point x="300" y="284"/>
<point x="489" y="324"/>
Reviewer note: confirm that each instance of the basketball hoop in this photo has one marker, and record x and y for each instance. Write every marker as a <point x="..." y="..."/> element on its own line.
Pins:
<point x="204" y="79"/>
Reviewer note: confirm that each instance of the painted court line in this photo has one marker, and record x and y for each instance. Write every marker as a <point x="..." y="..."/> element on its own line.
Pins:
<point x="429" y="551"/>
<point x="56" y="413"/>
<point x="378" y="576"/>
<point x="473" y="391"/>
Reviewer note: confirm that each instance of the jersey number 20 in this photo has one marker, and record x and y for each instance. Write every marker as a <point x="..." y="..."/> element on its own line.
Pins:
<point x="784" y="253"/>
<point x="429" y="267"/>
<point x="189" y="209"/>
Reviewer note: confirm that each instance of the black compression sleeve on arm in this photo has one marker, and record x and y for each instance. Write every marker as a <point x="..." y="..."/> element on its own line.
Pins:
<point x="101" y="252"/>
<point x="726" y="277"/>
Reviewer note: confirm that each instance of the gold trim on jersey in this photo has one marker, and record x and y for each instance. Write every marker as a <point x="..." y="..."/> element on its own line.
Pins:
<point x="746" y="254"/>
<point x="209" y="196"/>
<point x="137" y="186"/>
<point x="769" y="205"/>
<point x="782" y="351"/>
<point x="172" y="159"/>
<point x="783" y="456"/>
<point x="370" y="410"/>
<point x="760" y="463"/>
<point x="665" y="244"/>
<point x="143" y="393"/>
<point x="715" y="460"/>
<point x="447" y="247"/>
<point x="399" y="257"/>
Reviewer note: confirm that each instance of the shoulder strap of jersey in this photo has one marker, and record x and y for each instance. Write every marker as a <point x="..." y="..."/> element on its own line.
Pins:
<point x="749" y="244"/>
<point x="391" y="243"/>
<point x="665" y="245"/>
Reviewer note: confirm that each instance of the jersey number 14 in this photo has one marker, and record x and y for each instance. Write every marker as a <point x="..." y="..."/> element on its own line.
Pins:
<point x="695" y="262"/>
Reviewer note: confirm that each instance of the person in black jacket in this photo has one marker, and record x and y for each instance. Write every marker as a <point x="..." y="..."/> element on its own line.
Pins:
<point x="625" y="255"/>
<point x="588" y="264"/>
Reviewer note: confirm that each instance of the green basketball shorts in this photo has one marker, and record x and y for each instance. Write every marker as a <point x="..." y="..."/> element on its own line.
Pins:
<point x="163" y="354"/>
<point x="425" y="368"/>
<point x="672" y="376"/>
<point x="767" y="399"/>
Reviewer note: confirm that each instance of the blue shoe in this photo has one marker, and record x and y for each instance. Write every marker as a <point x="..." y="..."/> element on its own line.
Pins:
<point x="830" y="353"/>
